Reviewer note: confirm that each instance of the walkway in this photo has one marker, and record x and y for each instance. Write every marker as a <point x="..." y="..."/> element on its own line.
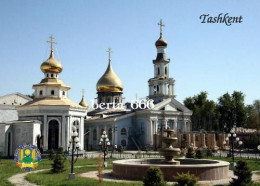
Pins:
<point x="19" y="179"/>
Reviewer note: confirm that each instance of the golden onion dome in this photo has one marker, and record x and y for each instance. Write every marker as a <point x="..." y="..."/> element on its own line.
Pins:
<point x="51" y="65"/>
<point x="161" y="42"/>
<point x="109" y="82"/>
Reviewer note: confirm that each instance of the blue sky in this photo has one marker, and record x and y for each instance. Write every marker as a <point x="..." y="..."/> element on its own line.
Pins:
<point x="204" y="57"/>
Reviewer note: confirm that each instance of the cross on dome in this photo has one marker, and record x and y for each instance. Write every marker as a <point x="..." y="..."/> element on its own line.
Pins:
<point x="161" y="25"/>
<point x="51" y="42"/>
<point x="109" y="53"/>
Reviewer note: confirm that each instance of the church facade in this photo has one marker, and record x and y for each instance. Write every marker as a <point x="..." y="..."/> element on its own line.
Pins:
<point x="137" y="128"/>
<point x="46" y="120"/>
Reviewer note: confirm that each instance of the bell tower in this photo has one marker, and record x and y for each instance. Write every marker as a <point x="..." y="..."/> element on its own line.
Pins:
<point x="161" y="86"/>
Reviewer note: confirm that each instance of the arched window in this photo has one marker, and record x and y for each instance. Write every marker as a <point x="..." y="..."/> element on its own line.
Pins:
<point x="123" y="143"/>
<point x="123" y="131"/>
<point x="110" y="134"/>
<point x="158" y="71"/>
<point x="165" y="70"/>
<point x="94" y="134"/>
<point x="51" y="75"/>
<point x="40" y="93"/>
<point x="63" y="93"/>
<point x="52" y="92"/>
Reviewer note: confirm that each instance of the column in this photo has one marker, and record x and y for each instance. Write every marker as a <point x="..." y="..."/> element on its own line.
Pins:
<point x="148" y="131"/>
<point x="81" y="131"/>
<point x="45" y="132"/>
<point x="64" y="141"/>
<point x="166" y="123"/>
<point x="203" y="141"/>
<point x="175" y="125"/>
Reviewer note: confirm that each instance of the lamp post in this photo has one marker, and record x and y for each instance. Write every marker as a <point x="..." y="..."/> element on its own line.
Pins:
<point x="231" y="139"/>
<point x="104" y="143"/>
<point x="258" y="148"/>
<point x="74" y="145"/>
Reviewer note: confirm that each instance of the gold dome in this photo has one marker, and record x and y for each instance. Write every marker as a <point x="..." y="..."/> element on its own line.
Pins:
<point x="109" y="82"/>
<point x="51" y="65"/>
<point x="161" y="42"/>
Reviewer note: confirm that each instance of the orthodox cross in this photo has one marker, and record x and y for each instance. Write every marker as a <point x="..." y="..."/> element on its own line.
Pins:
<point x="83" y="92"/>
<point x="109" y="53"/>
<point x="51" y="42"/>
<point x="161" y="25"/>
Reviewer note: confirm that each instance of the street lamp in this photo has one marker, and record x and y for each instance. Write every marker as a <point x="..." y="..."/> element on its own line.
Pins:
<point x="74" y="145"/>
<point x="231" y="139"/>
<point x="258" y="148"/>
<point x="104" y="143"/>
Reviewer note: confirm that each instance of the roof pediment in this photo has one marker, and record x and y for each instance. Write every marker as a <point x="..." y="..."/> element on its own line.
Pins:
<point x="171" y="104"/>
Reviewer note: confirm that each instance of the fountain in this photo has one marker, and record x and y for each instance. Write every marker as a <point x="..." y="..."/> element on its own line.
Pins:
<point x="204" y="169"/>
<point x="169" y="151"/>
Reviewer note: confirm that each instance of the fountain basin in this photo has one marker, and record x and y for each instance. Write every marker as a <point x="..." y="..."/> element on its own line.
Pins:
<point x="204" y="169"/>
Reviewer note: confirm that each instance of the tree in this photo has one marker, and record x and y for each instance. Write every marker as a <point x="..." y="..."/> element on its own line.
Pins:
<point x="232" y="110"/>
<point x="186" y="179"/>
<point x="190" y="153"/>
<point x="253" y="115"/>
<point x="58" y="165"/>
<point x="154" y="177"/>
<point x="205" y="114"/>
<point x="243" y="173"/>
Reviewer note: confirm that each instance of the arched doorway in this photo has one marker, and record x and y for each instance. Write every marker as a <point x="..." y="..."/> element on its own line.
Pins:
<point x="53" y="135"/>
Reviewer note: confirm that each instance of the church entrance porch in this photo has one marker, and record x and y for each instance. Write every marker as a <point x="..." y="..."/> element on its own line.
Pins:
<point x="53" y="138"/>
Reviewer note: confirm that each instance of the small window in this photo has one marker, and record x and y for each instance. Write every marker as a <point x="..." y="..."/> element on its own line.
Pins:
<point x="158" y="71"/>
<point x="40" y="93"/>
<point x="52" y="92"/>
<point x="47" y="75"/>
<point x="157" y="88"/>
<point x="165" y="70"/>
<point x="51" y="75"/>
<point x="63" y="93"/>
<point x="123" y="131"/>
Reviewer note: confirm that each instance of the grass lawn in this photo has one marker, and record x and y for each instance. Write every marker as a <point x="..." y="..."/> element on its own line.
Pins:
<point x="253" y="164"/>
<point x="9" y="168"/>
<point x="47" y="178"/>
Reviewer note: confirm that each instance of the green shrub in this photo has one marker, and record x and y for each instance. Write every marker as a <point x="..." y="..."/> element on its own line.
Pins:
<point x="190" y="153"/>
<point x="153" y="177"/>
<point x="59" y="161"/>
<point x="243" y="173"/>
<point x="209" y="152"/>
<point x="186" y="179"/>
<point x="51" y="154"/>
<point x="199" y="154"/>
<point x="58" y="165"/>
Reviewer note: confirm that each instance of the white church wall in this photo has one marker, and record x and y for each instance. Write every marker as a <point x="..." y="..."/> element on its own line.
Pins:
<point x="2" y="139"/>
<point x="14" y="99"/>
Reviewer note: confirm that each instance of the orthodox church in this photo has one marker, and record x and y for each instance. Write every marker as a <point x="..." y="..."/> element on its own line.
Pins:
<point x="46" y="120"/>
<point x="136" y="128"/>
